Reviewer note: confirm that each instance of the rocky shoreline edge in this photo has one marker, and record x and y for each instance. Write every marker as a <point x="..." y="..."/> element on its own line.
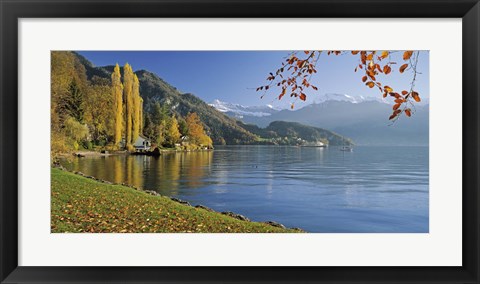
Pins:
<point x="183" y="202"/>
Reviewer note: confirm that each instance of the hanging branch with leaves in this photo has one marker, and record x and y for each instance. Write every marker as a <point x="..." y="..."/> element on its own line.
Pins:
<point x="295" y="74"/>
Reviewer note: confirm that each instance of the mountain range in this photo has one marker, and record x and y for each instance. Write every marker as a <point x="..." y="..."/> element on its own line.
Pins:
<point x="363" y="119"/>
<point x="239" y="111"/>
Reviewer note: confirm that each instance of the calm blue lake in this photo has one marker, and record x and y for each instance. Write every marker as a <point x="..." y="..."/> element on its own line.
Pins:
<point x="325" y="190"/>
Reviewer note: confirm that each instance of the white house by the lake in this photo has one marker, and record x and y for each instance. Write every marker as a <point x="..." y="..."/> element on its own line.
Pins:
<point x="141" y="144"/>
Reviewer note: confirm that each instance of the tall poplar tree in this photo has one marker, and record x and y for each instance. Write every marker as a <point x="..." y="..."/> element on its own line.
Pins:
<point x="136" y="109"/>
<point x="129" y="101"/>
<point x="117" y="94"/>
<point x="141" y="114"/>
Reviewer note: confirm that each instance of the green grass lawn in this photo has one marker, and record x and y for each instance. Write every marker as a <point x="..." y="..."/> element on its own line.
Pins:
<point x="79" y="204"/>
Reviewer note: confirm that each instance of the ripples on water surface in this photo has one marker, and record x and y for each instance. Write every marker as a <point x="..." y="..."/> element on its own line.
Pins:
<point x="372" y="189"/>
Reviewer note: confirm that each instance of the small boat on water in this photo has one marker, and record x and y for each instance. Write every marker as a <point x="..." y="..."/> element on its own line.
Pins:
<point x="346" y="148"/>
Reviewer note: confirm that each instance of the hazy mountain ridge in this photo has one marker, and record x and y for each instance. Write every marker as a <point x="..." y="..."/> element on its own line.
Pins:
<point x="346" y="98"/>
<point x="289" y="132"/>
<point x="366" y="121"/>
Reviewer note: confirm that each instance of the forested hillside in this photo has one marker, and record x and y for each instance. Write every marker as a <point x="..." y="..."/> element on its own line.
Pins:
<point x="294" y="133"/>
<point x="221" y="128"/>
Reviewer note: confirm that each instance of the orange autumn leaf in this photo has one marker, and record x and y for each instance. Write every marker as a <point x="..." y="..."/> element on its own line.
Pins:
<point x="407" y="54"/>
<point x="416" y="97"/>
<point x="408" y="112"/>
<point x="370" y="84"/>
<point x="403" y="67"/>
<point x="387" y="69"/>
<point x="384" y="54"/>
<point x="396" y="95"/>
<point x="395" y="113"/>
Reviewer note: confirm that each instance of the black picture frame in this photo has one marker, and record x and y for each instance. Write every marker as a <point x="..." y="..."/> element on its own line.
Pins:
<point x="11" y="11"/>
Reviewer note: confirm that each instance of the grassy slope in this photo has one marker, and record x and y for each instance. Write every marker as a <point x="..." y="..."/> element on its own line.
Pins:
<point x="83" y="205"/>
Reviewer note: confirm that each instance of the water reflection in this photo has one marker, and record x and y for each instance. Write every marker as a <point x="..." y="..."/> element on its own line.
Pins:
<point x="165" y="174"/>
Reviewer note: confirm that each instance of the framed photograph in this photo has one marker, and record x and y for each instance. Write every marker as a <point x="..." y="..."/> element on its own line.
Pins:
<point x="250" y="142"/>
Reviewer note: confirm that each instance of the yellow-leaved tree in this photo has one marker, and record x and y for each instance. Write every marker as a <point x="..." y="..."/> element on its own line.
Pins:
<point x="196" y="132"/>
<point x="100" y="109"/>
<point x="141" y="114"/>
<point x="117" y="90"/>
<point x="128" y="96"/>
<point x="173" y="134"/>
<point x="136" y="109"/>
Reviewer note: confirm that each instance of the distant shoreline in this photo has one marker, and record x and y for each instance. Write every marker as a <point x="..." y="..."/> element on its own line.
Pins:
<point x="94" y="153"/>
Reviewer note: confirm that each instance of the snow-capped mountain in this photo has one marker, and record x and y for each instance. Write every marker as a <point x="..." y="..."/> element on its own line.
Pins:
<point x="346" y="98"/>
<point x="238" y="110"/>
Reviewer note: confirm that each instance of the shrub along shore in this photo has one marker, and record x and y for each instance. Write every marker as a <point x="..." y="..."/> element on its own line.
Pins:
<point x="84" y="204"/>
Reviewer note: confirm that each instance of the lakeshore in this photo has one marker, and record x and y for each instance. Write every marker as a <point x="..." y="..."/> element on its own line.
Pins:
<point x="84" y="204"/>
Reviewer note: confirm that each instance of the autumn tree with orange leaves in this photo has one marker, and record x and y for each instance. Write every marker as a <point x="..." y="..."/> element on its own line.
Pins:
<point x="296" y="72"/>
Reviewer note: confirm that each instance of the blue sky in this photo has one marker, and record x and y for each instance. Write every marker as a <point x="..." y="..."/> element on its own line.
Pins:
<point x="232" y="76"/>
